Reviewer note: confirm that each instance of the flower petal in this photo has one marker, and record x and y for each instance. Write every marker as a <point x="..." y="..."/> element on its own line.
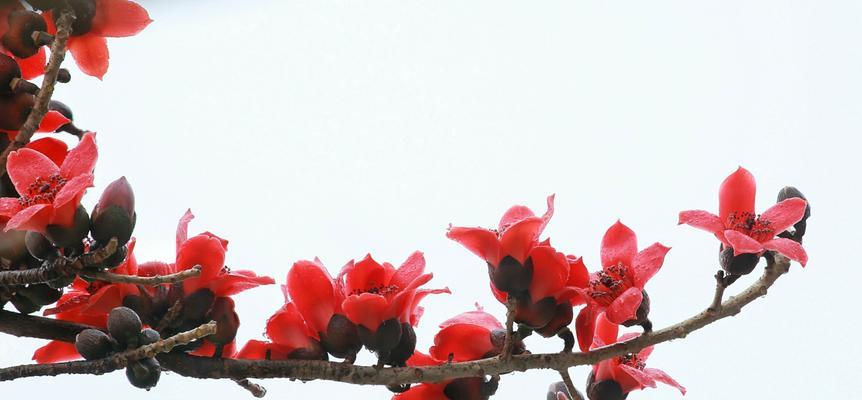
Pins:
<point x="606" y="332"/>
<point x="311" y="289"/>
<point x="183" y="228"/>
<point x="119" y="18"/>
<point x="34" y="66"/>
<point x="585" y="327"/>
<point x="736" y="194"/>
<point x="632" y="378"/>
<point x="91" y="54"/>
<point x="701" y="219"/>
<point x="82" y="159"/>
<point x="254" y="350"/>
<point x="619" y="245"/>
<point x="424" y="391"/>
<point x="519" y="239"/>
<point x="56" y="351"/>
<point x="419" y="359"/>
<point x="412" y="268"/>
<point x="9" y="206"/>
<point x="478" y="318"/>
<point x="202" y="250"/>
<point x="73" y="190"/>
<point x="237" y="281"/>
<point x="625" y="307"/>
<point x="550" y="272"/>
<point x="784" y="214"/>
<point x="742" y="243"/>
<point x="788" y="248"/>
<point x="365" y="309"/>
<point x="479" y="241"/>
<point x="156" y="268"/>
<point x="287" y="328"/>
<point x="648" y="262"/>
<point x="33" y="218"/>
<point x="464" y="342"/>
<point x="415" y="310"/>
<point x="52" y="121"/>
<point x="663" y="377"/>
<point x="54" y="149"/>
<point x="103" y="301"/>
<point x="366" y="274"/>
<point x="26" y="166"/>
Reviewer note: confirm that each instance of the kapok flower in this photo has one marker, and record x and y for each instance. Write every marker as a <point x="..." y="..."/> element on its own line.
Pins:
<point x="624" y="374"/>
<point x="384" y="304"/>
<point x="469" y="336"/>
<point x="50" y="194"/>
<point x="112" y="18"/>
<point x="507" y="249"/>
<point x="290" y="338"/>
<point x="618" y="289"/>
<point x="738" y="227"/>
<point x="88" y="303"/>
<point x="318" y="299"/>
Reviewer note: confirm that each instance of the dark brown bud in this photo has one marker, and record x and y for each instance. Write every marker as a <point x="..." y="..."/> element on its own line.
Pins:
<point x="341" y="338"/>
<point x="604" y="390"/>
<point x="466" y="388"/>
<point x="385" y="339"/>
<point x="404" y="349"/>
<point x="73" y="235"/>
<point x="93" y="344"/>
<point x="84" y="10"/>
<point x="14" y="109"/>
<point x="498" y="339"/>
<point x="148" y="336"/>
<point x="114" y="215"/>
<point x="197" y="305"/>
<point x="739" y="265"/>
<point x="562" y="318"/>
<point x="144" y="373"/>
<point x="41" y="294"/>
<point x="124" y="324"/>
<point x="114" y="260"/>
<point x="228" y="322"/>
<point x="510" y="276"/>
<point x="39" y="246"/>
<point x="535" y="315"/>
<point x="9" y="70"/>
<point x="19" y="36"/>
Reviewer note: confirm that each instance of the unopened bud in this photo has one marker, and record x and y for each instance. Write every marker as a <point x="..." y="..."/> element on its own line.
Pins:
<point x="227" y="321"/>
<point x="144" y="373"/>
<point x="123" y="324"/>
<point x="114" y="215"/>
<point x="739" y="265"/>
<point x="73" y="235"/>
<point x="341" y="338"/>
<point x="39" y="246"/>
<point x="18" y="38"/>
<point x="93" y="344"/>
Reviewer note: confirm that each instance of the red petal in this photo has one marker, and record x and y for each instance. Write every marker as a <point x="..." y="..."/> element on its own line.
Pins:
<point x="412" y="268"/>
<point x="183" y="228"/>
<point x="365" y="275"/>
<point x="416" y="311"/>
<point x="663" y="377"/>
<point x="625" y="306"/>
<point x="465" y="342"/>
<point x="514" y="215"/>
<point x="519" y="239"/>
<point x="91" y="54"/>
<point x="424" y="391"/>
<point x="478" y="318"/>
<point x="479" y="241"/>
<point x="237" y="281"/>
<point x="103" y="301"/>
<point x="742" y="243"/>
<point x="33" y="218"/>
<point x="55" y="351"/>
<point x="648" y="262"/>
<point x="54" y="149"/>
<point x="365" y="309"/>
<point x="9" y="206"/>
<point x="788" y="248"/>
<point x="287" y="328"/>
<point x="25" y="166"/>
<point x="419" y="359"/>
<point x="52" y="121"/>
<point x="208" y="349"/>
<point x="119" y="18"/>
<point x="34" y="66"/>
<point x="579" y="276"/>
<point x="156" y="268"/>
<point x="402" y="305"/>
<point x="632" y="378"/>
<point x="585" y="327"/>
<point x="201" y="250"/>
<point x="619" y="245"/>
<point x="736" y="194"/>
<point x="550" y="272"/>
<point x="253" y="350"/>
<point x="702" y="220"/>
<point x="82" y="159"/>
<point x="606" y="332"/>
<point x="784" y="214"/>
<point x="311" y="289"/>
<point x="73" y="190"/>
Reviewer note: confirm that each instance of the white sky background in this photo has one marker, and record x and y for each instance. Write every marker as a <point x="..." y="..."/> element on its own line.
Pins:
<point x="334" y="128"/>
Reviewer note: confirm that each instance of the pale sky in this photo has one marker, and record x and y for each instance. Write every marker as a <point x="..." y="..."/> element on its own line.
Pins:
<point x="298" y="129"/>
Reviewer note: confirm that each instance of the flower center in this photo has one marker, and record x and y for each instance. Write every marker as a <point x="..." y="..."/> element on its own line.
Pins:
<point x="608" y="284"/>
<point x="42" y="191"/>
<point x="383" y="290"/>
<point x="632" y="360"/>
<point x="751" y="224"/>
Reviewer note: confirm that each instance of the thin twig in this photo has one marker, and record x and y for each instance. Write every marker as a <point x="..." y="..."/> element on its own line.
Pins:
<point x="574" y="393"/>
<point x="143" y="280"/>
<point x="40" y="108"/>
<point x="509" y="342"/>
<point x="720" y="285"/>
<point x="110" y="363"/>
<point x="58" y="267"/>
<point x="207" y="367"/>
<point x="253" y="388"/>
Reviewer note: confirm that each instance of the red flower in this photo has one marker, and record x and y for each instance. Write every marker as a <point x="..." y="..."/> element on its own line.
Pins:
<point x="738" y="227"/>
<point x="469" y="336"/>
<point x="618" y="289"/>
<point x="113" y="18"/>
<point x="50" y="194"/>
<point x="290" y="338"/>
<point x="628" y="371"/>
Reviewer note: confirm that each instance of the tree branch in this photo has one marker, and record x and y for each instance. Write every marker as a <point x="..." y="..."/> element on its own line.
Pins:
<point x="58" y="267"/>
<point x="216" y="368"/>
<point x="509" y="342"/>
<point x="40" y="108"/>
<point x="574" y="393"/>
<point x="143" y="280"/>
<point x="23" y="325"/>
<point x="110" y="363"/>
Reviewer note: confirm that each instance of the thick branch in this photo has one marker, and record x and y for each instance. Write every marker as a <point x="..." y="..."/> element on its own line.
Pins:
<point x="143" y="280"/>
<point x="22" y="325"/>
<point x="111" y="363"/>
<point x="40" y="108"/>
<point x="58" y="267"/>
<point x="214" y="368"/>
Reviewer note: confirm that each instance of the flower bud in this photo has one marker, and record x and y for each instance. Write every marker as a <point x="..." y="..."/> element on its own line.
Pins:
<point x="41" y="294"/>
<point x="341" y="338"/>
<point x="14" y="108"/>
<point x="13" y="245"/>
<point x="535" y="315"/>
<point x="144" y="373"/>
<point x="604" y="390"/>
<point x="148" y="336"/>
<point x="9" y="70"/>
<point x="789" y="192"/>
<point x="739" y="265"/>
<point x="114" y="260"/>
<point x="385" y="339"/>
<point x="39" y="246"/>
<point x="563" y="315"/>
<point x="19" y="36"/>
<point x="227" y="321"/>
<point x="72" y="235"/>
<point x="404" y="349"/>
<point x="510" y="276"/>
<point x="114" y="215"/>
<point x="93" y="344"/>
<point x="123" y="324"/>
